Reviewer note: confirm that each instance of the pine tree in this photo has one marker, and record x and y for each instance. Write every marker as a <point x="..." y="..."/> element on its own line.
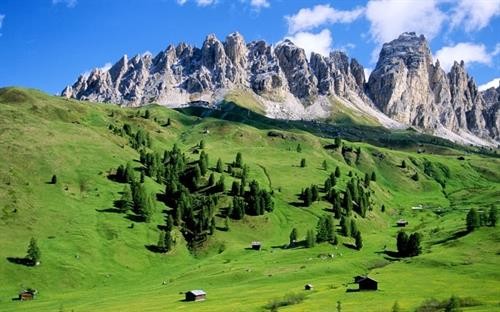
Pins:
<point x="170" y="223"/>
<point x="53" y="180"/>
<point x="413" y="248"/>
<point x="354" y="228"/>
<point x="348" y="202"/>
<point x="367" y="180"/>
<point x="302" y="162"/>
<point x="415" y="177"/>
<point x="147" y="114"/>
<point x="169" y="242"/>
<point x="358" y="240"/>
<point x="382" y="208"/>
<point x="129" y="175"/>
<point x="293" y="237"/>
<point x="403" y="164"/>
<point x="238" y="163"/>
<point x="330" y="228"/>
<point x="211" y="179"/>
<point x="374" y="176"/>
<point x="472" y="220"/>
<point x="235" y="188"/>
<point x="219" y="167"/>
<point x="299" y="148"/>
<point x="337" y="172"/>
<point x="402" y="243"/>
<point x="314" y="193"/>
<point x="345" y="226"/>
<point x="492" y="216"/>
<point x="126" y="200"/>
<point x="325" y="165"/>
<point x="338" y="142"/>
<point x="33" y="254"/>
<point x="396" y="307"/>
<point x="321" y="231"/>
<point x="202" y="144"/>
<point x="161" y="242"/>
<point x="310" y="239"/>
<point x="307" y="197"/>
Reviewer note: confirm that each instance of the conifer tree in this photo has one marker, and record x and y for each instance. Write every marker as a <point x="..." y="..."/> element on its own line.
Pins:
<point x="325" y="165"/>
<point x="126" y="200"/>
<point x="238" y="163"/>
<point x="374" y="176"/>
<point x="310" y="239"/>
<point x="293" y="237"/>
<point x="219" y="167"/>
<point x="403" y="164"/>
<point x="358" y="240"/>
<point x="472" y="220"/>
<point x="314" y="193"/>
<point x="53" y="180"/>
<point x="211" y="179"/>
<point x="307" y="197"/>
<point x="33" y="254"/>
<point x="302" y="162"/>
<point x="492" y="216"/>
<point x="299" y="148"/>
<point x="161" y="242"/>
<point x="337" y="172"/>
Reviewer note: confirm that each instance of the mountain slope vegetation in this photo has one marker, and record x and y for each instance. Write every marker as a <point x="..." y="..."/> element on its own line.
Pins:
<point x="95" y="257"/>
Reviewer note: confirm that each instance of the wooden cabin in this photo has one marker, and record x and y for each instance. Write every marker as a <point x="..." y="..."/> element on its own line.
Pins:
<point x="256" y="245"/>
<point x="308" y="287"/>
<point x="402" y="223"/>
<point x="196" y="295"/>
<point x="27" y="294"/>
<point x="366" y="283"/>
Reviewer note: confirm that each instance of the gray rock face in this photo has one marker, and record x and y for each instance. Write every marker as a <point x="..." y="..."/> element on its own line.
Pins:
<point x="405" y="85"/>
<point x="492" y="112"/>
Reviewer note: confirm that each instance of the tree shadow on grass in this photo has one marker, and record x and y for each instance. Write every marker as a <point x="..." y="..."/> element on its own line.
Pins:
<point x="454" y="236"/>
<point x="349" y="290"/>
<point x="134" y="218"/>
<point x="154" y="248"/>
<point x="20" y="261"/>
<point x="109" y="210"/>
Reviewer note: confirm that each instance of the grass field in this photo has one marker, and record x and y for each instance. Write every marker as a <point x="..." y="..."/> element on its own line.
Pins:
<point x="92" y="260"/>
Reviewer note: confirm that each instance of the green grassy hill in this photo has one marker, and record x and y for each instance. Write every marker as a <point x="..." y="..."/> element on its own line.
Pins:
<point x="95" y="259"/>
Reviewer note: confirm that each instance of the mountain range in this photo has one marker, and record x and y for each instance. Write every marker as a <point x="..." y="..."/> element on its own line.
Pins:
<point x="407" y="88"/>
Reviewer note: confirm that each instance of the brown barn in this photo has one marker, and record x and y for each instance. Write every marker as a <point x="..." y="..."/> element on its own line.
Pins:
<point x="308" y="287"/>
<point x="366" y="283"/>
<point x="256" y="245"/>
<point x="402" y="223"/>
<point x="27" y="294"/>
<point x="196" y="295"/>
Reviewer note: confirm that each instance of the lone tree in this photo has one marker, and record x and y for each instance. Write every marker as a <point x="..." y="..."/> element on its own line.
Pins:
<point x="293" y="237"/>
<point x="472" y="220"/>
<point x="337" y="172"/>
<point x="54" y="179"/>
<point x="358" y="240"/>
<point x="324" y="165"/>
<point x="219" y="168"/>
<point x="303" y="162"/>
<point x="33" y="254"/>
<point x="299" y="148"/>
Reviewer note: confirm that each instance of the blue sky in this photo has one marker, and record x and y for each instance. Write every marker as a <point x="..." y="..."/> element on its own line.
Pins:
<point x="47" y="44"/>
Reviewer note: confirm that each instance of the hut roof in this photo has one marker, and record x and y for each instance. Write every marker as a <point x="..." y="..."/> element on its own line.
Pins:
<point x="197" y="292"/>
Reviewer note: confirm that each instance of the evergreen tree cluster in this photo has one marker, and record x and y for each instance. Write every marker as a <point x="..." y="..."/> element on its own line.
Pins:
<point x="254" y="202"/>
<point x="475" y="219"/>
<point x="310" y="195"/>
<point x="325" y="229"/>
<point x="409" y="245"/>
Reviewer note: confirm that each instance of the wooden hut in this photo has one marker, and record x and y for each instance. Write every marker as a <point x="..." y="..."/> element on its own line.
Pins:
<point x="256" y="245"/>
<point x="196" y="295"/>
<point x="402" y="223"/>
<point x="366" y="283"/>
<point x="27" y="294"/>
<point x="308" y="287"/>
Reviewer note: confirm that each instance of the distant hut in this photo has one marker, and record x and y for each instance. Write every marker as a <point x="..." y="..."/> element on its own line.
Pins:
<point x="366" y="283"/>
<point x="27" y="294"/>
<point x="196" y="295"/>
<point x="308" y="287"/>
<point x="402" y="223"/>
<point x="256" y="245"/>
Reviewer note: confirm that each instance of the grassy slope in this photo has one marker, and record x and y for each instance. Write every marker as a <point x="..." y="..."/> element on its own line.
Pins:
<point x="93" y="261"/>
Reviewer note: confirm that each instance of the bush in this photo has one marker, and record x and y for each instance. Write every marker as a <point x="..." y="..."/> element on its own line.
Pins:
<point x="287" y="300"/>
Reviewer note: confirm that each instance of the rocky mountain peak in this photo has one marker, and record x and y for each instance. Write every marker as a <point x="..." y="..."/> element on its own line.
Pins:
<point x="405" y="85"/>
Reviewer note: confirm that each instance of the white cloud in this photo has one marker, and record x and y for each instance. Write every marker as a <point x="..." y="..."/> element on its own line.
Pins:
<point x="320" y="42"/>
<point x="259" y="4"/>
<point x="474" y="14"/>
<point x="205" y="2"/>
<point x="368" y="71"/>
<point x="463" y="51"/>
<point x="307" y="19"/>
<point x="2" y="16"/>
<point x="106" y="66"/>
<point x="490" y="84"/>
<point x="389" y="18"/>
<point x="68" y="3"/>
<point x="181" y="2"/>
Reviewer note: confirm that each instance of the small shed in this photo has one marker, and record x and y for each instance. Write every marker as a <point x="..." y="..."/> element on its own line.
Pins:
<point x="402" y="223"/>
<point x="366" y="283"/>
<point x="27" y="294"/>
<point x="196" y="295"/>
<point x="308" y="287"/>
<point x="256" y="245"/>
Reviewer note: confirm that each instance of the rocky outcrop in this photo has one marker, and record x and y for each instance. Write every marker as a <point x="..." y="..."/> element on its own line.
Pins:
<point x="491" y="98"/>
<point x="409" y="88"/>
<point x="405" y="85"/>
